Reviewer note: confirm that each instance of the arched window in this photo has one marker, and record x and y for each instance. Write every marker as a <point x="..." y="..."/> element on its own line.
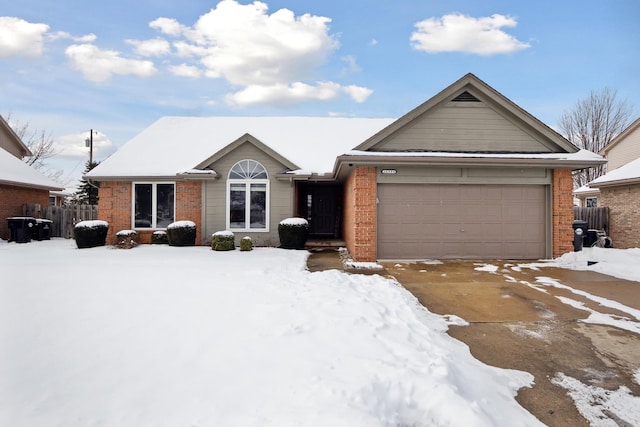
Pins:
<point x="248" y="197"/>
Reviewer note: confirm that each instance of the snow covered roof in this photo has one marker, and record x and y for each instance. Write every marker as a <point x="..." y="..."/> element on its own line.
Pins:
<point x="627" y="174"/>
<point x="585" y="190"/>
<point x="14" y="171"/>
<point x="175" y="145"/>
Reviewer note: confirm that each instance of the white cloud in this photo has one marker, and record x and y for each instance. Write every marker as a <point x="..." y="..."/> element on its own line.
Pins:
<point x="185" y="70"/>
<point x="357" y="93"/>
<point x="461" y="33"/>
<point x="99" y="65"/>
<point x="268" y="56"/>
<point x="63" y="35"/>
<point x="352" y="65"/>
<point x="151" y="47"/>
<point x="247" y="46"/>
<point x="284" y="94"/>
<point x="21" y="38"/>
<point x="168" y="26"/>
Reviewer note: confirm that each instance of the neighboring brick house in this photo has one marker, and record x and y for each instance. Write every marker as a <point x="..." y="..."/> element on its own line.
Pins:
<point x="623" y="149"/>
<point x="619" y="189"/>
<point x="20" y="184"/>
<point x="468" y="174"/>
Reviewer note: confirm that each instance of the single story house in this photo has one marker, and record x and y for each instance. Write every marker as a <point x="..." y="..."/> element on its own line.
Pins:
<point x="20" y="184"/>
<point x="468" y="174"/>
<point x="619" y="190"/>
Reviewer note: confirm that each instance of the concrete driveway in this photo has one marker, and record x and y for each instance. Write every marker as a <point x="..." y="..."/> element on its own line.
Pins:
<point x="518" y="320"/>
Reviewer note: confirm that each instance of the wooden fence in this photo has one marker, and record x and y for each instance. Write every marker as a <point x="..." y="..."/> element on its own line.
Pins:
<point x="64" y="217"/>
<point x="597" y="218"/>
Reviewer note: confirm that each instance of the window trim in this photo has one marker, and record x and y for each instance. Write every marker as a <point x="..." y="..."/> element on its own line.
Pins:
<point x="591" y="198"/>
<point x="154" y="203"/>
<point x="247" y="185"/>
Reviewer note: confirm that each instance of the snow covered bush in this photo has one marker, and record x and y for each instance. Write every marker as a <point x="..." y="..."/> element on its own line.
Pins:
<point x="293" y="233"/>
<point x="246" y="243"/>
<point x="159" y="238"/>
<point x="89" y="234"/>
<point x="181" y="233"/>
<point x="223" y="241"/>
<point x="127" y="239"/>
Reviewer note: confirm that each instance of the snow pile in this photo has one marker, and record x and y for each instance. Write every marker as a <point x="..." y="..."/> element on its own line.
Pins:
<point x="193" y="337"/>
<point x="621" y="263"/>
<point x="223" y="233"/>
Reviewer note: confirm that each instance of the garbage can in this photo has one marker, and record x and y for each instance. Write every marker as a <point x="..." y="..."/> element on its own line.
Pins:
<point x="590" y="238"/>
<point x="579" y="230"/>
<point x="42" y="230"/>
<point x="21" y="228"/>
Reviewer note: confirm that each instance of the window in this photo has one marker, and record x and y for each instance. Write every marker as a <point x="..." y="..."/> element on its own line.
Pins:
<point x="248" y="197"/>
<point x="153" y="205"/>
<point x="591" y="202"/>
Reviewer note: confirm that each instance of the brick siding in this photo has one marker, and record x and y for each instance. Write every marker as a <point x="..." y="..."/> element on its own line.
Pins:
<point x="360" y="214"/>
<point x="11" y="200"/>
<point x="624" y="214"/>
<point x="561" y="187"/>
<point x="114" y="206"/>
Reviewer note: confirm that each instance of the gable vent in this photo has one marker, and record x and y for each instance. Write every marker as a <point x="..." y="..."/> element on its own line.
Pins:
<point x="465" y="97"/>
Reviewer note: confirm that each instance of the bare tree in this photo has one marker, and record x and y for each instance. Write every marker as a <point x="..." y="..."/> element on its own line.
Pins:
<point x="592" y="123"/>
<point x="39" y="142"/>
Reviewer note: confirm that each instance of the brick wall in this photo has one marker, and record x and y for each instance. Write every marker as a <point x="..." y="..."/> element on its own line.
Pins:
<point x="360" y="214"/>
<point x="624" y="214"/>
<point x="189" y="205"/>
<point x="11" y="200"/>
<point x="561" y="187"/>
<point x="114" y="206"/>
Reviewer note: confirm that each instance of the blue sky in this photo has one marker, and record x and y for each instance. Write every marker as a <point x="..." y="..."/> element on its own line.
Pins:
<point x="119" y="66"/>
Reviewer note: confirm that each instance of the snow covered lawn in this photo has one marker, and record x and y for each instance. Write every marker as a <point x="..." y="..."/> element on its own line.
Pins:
<point x="166" y="336"/>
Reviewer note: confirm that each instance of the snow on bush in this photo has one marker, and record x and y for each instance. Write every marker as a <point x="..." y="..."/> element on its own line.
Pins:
<point x="246" y="244"/>
<point x="223" y="241"/>
<point x="92" y="224"/>
<point x="181" y="224"/>
<point x="294" y="221"/>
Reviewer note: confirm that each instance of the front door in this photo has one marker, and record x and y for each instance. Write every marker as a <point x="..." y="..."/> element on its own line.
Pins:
<point x="320" y="206"/>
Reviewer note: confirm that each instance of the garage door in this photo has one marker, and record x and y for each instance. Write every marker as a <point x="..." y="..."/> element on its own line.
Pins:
<point x="426" y="221"/>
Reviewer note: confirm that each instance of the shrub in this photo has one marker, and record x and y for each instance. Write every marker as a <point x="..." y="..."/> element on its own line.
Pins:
<point x="246" y="243"/>
<point x="159" y="238"/>
<point x="223" y="241"/>
<point x="89" y="234"/>
<point x="181" y="233"/>
<point x="293" y="233"/>
<point x="127" y="239"/>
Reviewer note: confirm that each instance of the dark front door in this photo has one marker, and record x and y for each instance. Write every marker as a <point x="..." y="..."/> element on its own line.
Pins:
<point x="321" y="207"/>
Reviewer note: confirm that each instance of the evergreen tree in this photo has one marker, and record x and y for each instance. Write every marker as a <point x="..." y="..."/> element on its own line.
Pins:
<point x="87" y="193"/>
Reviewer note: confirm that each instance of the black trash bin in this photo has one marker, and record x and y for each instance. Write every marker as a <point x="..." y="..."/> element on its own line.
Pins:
<point x="579" y="231"/>
<point x="590" y="238"/>
<point x="42" y="230"/>
<point x="21" y="228"/>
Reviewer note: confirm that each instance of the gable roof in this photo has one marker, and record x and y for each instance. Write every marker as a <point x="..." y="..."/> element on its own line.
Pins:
<point x="621" y="136"/>
<point x="174" y="145"/>
<point x="14" y="139"/>
<point x="558" y="153"/>
<point x="471" y="88"/>
<point x="14" y="171"/>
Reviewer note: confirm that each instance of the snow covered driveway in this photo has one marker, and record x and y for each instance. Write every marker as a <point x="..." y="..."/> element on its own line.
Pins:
<point x="577" y="332"/>
<point x="164" y="336"/>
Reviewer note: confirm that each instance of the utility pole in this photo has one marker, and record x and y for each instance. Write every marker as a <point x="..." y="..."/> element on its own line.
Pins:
<point x="89" y="143"/>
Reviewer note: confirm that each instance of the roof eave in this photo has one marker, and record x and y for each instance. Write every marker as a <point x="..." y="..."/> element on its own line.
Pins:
<point x="469" y="161"/>
<point x="33" y="186"/>
<point x="615" y="183"/>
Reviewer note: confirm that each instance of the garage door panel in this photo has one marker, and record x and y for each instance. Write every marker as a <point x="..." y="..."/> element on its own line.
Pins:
<point x="461" y="221"/>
